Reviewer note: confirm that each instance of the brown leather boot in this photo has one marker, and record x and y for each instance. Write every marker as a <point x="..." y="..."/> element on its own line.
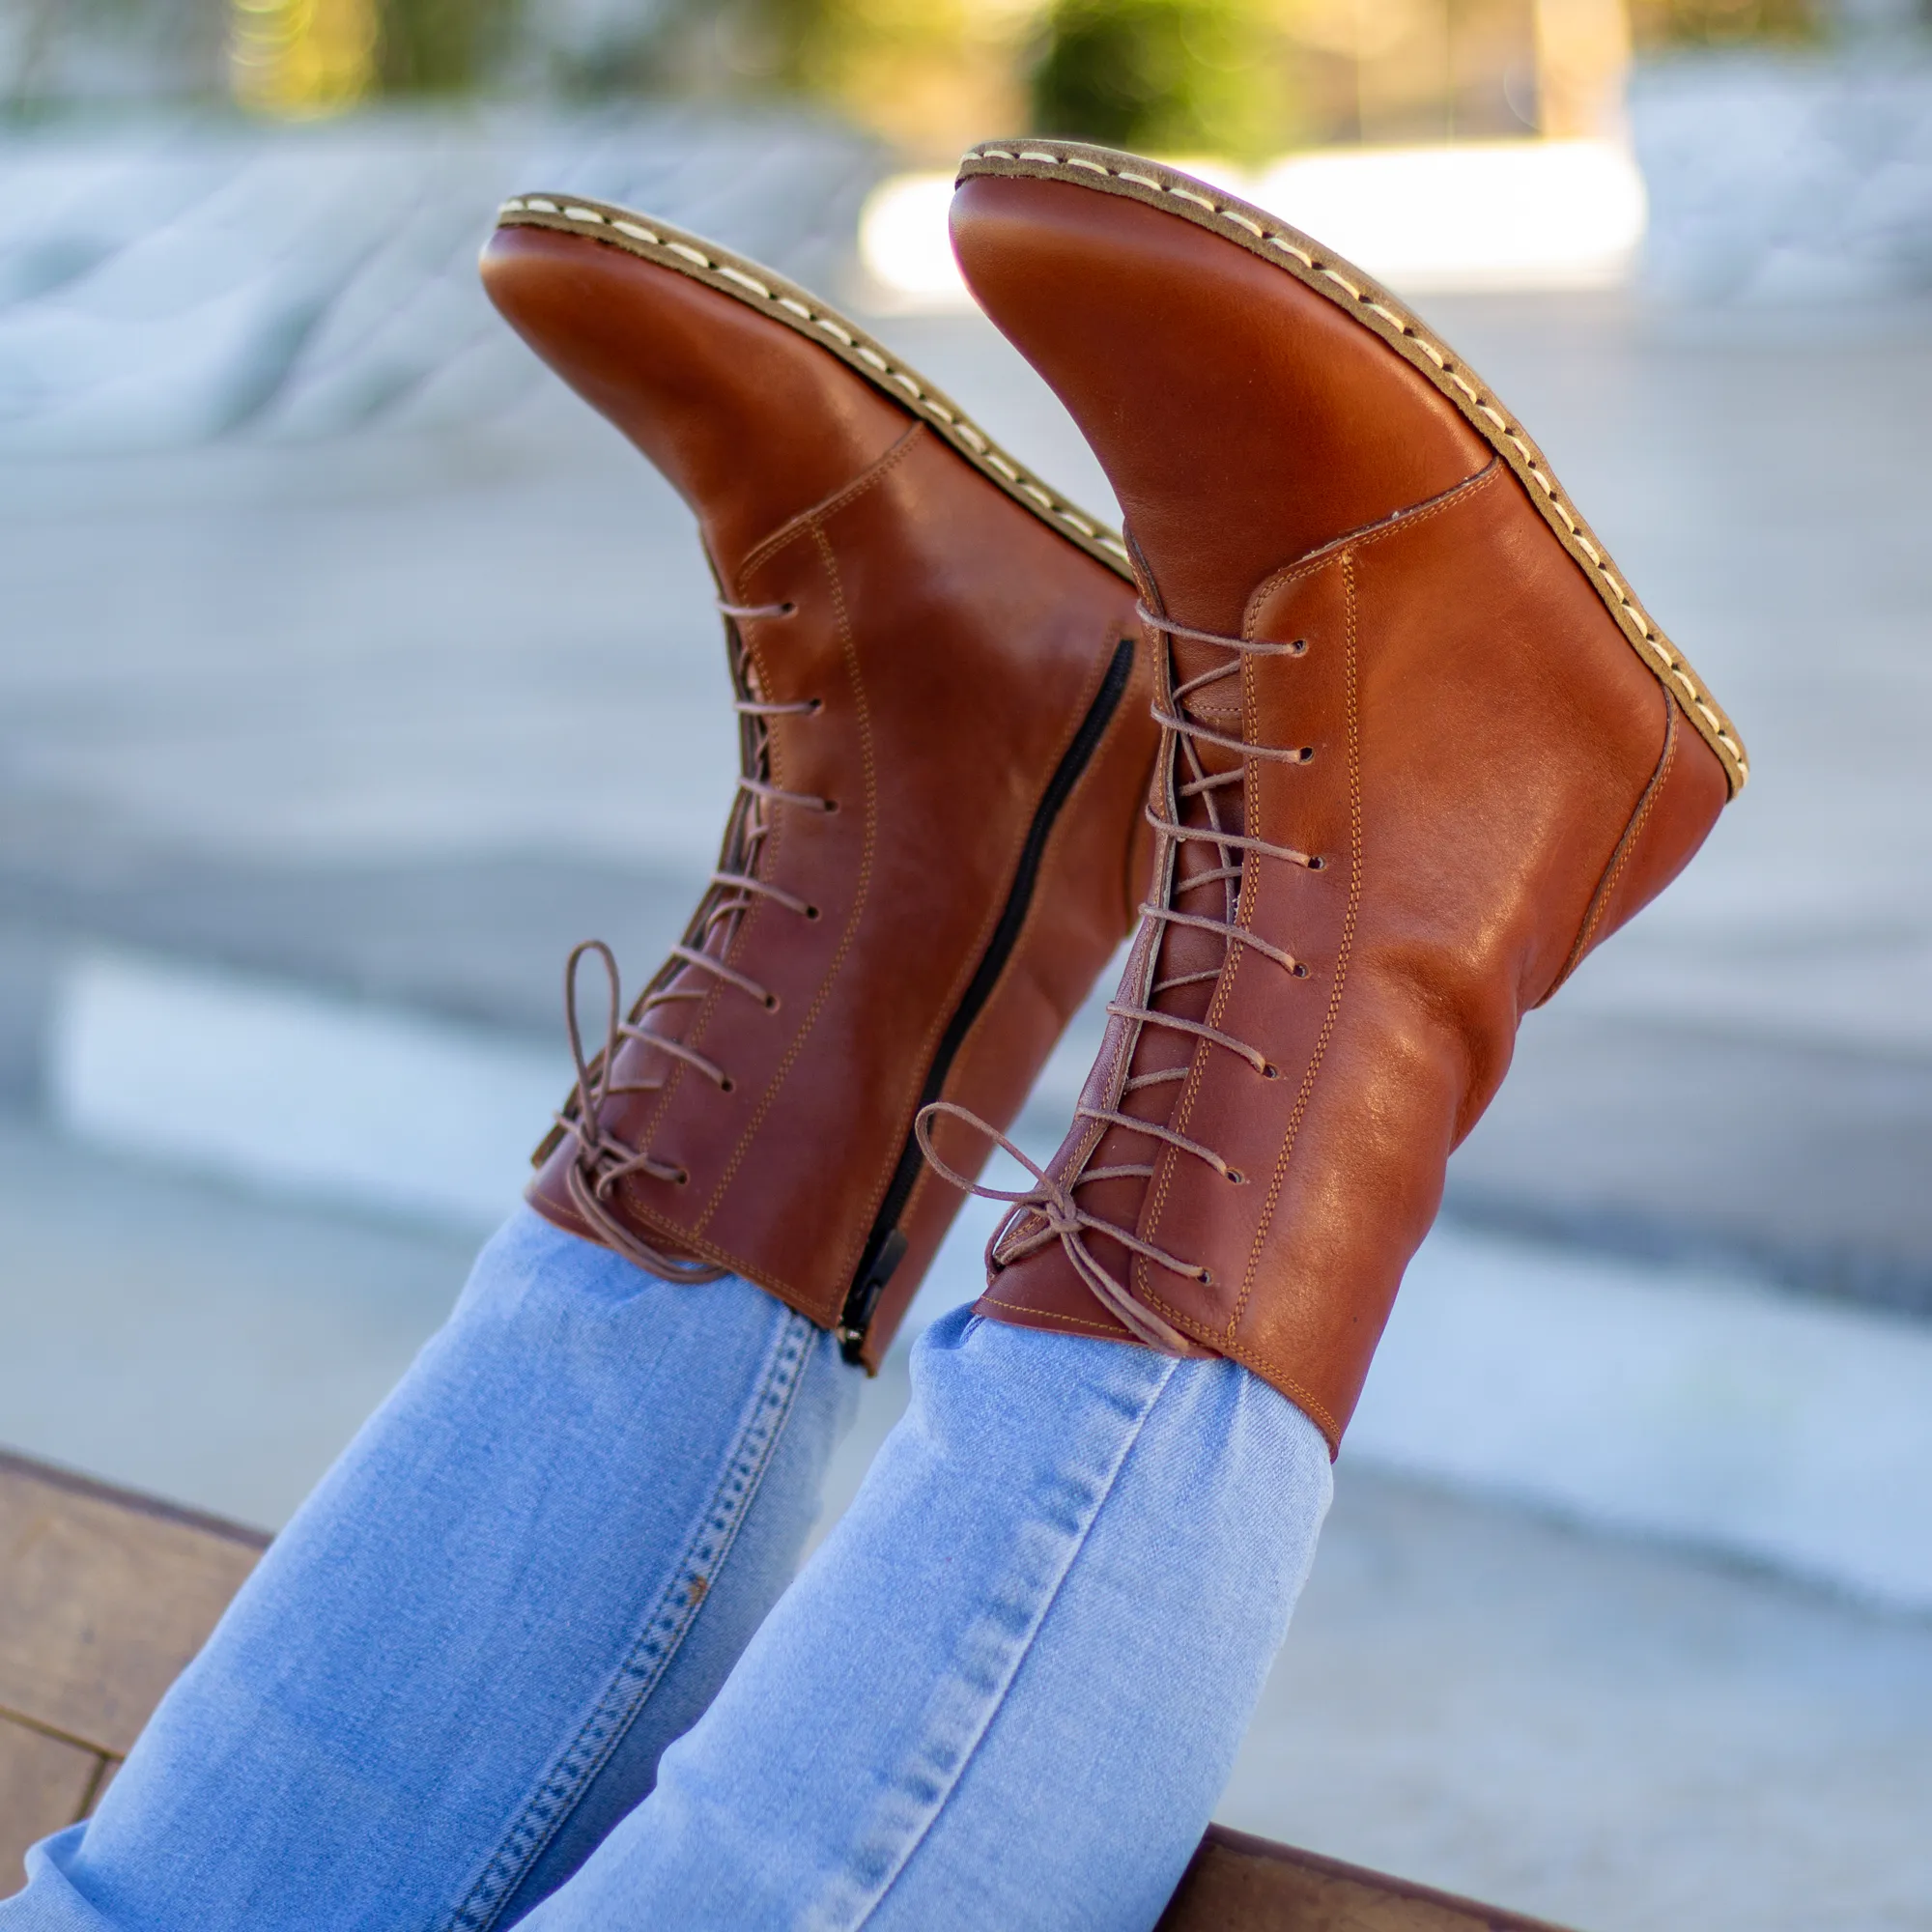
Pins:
<point x="1421" y="752"/>
<point x="946" y="744"/>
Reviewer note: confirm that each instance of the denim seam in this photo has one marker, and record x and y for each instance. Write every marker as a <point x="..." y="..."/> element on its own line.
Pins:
<point x="995" y="1702"/>
<point x="572" y="1772"/>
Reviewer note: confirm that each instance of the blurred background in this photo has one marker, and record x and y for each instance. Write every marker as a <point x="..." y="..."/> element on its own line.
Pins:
<point x="351" y="671"/>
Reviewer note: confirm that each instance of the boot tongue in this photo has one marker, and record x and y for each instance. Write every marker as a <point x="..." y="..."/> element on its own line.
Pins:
<point x="1187" y="960"/>
<point x="1217" y="706"/>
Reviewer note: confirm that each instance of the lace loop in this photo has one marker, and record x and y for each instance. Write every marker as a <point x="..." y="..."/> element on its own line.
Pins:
<point x="804" y="800"/>
<point x="602" y="1159"/>
<point x="1208" y="834"/>
<point x="751" y="707"/>
<point x="787" y="608"/>
<point x="1064" y="1217"/>
<point x="764" y="889"/>
<point x="717" y="970"/>
<point x="1259" y="647"/>
<point x="1234" y="935"/>
<point x="1199" y="1030"/>
<point x="1202" y="735"/>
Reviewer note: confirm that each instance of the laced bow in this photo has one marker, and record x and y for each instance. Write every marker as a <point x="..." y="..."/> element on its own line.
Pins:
<point x="602" y="1159"/>
<point x="1049" y="1211"/>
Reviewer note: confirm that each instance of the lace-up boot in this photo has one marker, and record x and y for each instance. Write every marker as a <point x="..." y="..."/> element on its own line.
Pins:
<point x="1421" y="751"/>
<point x="946" y="744"/>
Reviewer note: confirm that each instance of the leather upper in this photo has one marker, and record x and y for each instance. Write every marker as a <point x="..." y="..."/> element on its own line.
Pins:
<point x="924" y="662"/>
<point x="1453" y="773"/>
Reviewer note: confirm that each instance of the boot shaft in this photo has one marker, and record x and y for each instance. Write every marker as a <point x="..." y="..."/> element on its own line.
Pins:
<point x="1415" y="765"/>
<point x="946" y="741"/>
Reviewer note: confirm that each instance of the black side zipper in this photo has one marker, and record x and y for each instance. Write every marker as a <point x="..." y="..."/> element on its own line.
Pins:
<point x="886" y="1245"/>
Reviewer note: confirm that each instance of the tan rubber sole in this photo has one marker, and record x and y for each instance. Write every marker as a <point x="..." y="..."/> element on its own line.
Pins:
<point x="770" y="294"/>
<point x="1108" y="172"/>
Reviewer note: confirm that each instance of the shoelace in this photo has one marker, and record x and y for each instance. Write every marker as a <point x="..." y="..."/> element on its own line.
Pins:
<point x="601" y="1159"/>
<point x="1050" y="1203"/>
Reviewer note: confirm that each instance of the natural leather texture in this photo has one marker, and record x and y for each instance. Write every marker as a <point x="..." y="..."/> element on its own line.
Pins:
<point x="919" y="655"/>
<point x="1339" y="284"/>
<point x="1411" y="770"/>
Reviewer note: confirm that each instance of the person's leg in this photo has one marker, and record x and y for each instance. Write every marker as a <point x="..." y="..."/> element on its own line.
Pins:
<point x="461" y="1661"/>
<point x="1008" y="1688"/>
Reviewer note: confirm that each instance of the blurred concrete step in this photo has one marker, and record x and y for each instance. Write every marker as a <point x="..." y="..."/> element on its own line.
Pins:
<point x="106" y="1595"/>
<point x="172" y="280"/>
<point x="1690" y="1141"/>
<point x="1678" y="1399"/>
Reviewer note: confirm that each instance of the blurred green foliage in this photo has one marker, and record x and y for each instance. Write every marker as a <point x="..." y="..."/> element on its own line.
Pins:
<point x="1235" y="77"/>
<point x="1178" y="76"/>
<point x="442" y="46"/>
<point x="1726" y="23"/>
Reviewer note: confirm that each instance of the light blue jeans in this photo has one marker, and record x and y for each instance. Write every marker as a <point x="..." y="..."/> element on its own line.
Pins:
<point x="528" y="1654"/>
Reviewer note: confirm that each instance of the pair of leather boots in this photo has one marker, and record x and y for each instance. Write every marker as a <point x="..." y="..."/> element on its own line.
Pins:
<point x="1358" y="730"/>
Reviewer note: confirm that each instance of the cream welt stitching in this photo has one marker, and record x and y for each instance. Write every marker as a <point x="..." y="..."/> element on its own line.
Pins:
<point x="958" y="429"/>
<point x="1647" y="636"/>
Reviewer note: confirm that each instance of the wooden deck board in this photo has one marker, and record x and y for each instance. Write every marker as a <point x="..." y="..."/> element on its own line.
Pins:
<point x="46" y="1783"/>
<point x="1240" y="1883"/>
<point x="104" y="1598"/>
